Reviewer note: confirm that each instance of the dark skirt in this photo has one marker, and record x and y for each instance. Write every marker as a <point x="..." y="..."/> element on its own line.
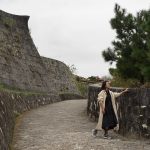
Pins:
<point x="109" y="117"/>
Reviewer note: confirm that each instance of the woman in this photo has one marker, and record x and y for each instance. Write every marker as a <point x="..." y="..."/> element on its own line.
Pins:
<point x="108" y="118"/>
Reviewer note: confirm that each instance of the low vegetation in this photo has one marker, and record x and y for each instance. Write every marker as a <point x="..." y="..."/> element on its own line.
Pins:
<point x="82" y="88"/>
<point x="65" y="93"/>
<point x="117" y="81"/>
<point x="19" y="91"/>
<point x="7" y="23"/>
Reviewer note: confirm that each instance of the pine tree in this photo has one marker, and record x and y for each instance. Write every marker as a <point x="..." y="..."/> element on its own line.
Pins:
<point x="140" y="44"/>
<point x="131" y="48"/>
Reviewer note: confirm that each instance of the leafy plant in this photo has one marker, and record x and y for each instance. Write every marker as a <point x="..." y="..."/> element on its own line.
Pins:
<point x="7" y="23"/>
<point x="72" y="69"/>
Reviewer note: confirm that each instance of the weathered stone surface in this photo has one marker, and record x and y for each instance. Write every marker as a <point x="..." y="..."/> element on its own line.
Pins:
<point x="67" y="129"/>
<point x="133" y="110"/>
<point x="60" y="74"/>
<point x="11" y="105"/>
<point x="70" y="96"/>
<point x="23" y="68"/>
<point x="21" y="65"/>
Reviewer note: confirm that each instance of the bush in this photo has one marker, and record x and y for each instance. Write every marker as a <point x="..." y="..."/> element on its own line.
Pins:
<point x="128" y="83"/>
<point x="82" y="88"/>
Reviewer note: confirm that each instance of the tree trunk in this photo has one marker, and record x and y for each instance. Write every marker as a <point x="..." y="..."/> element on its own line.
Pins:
<point x="142" y="79"/>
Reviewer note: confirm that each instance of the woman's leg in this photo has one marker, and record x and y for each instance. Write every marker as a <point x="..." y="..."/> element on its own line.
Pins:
<point x="106" y="130"/>
<point x="106" y="133"/>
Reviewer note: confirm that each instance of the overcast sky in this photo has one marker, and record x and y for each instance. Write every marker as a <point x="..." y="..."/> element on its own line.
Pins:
<point x="73" y="31"/>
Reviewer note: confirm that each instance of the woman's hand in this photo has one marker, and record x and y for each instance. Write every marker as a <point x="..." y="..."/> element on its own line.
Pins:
<point x="103" y="111"/>
<point x="126" y="90"/>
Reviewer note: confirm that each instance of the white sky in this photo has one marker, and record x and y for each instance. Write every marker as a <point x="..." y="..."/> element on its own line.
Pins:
<point x="73" y="31"/>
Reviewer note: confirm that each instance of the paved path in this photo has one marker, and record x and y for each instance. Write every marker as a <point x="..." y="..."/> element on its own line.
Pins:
<point x="65" y="126"/>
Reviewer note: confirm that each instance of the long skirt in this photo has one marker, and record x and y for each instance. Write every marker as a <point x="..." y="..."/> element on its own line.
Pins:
<point x="109" y="117"/>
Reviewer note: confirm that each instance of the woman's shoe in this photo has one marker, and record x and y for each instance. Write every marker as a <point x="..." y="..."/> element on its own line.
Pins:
<point x="106" y="136"/>
<point x="94" y="132"/>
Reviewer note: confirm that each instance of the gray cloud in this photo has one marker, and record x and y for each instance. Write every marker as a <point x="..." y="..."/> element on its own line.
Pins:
<point x="72" y="31"/>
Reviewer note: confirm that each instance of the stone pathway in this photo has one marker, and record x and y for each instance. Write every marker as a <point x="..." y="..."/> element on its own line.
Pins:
<point x="65" y="126"/>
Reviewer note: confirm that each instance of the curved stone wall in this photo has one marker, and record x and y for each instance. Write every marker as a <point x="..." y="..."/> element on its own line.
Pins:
<point x="21" y="65"/>
<point x="11" y="105"/>
<point x="133" y="110"/>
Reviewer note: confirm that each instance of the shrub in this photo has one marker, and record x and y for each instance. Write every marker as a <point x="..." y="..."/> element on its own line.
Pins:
<point x="120" y="82"/>
<point x="8" y="23"/>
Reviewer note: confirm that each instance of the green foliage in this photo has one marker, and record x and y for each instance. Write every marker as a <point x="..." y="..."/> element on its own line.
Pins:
<point x="127" y="83"/>
<point x="78" y="78"/>
<point x="113" y="71"/>
<point x="92" y="78"/>
<point x="1" y="86"/>
<point x="18" y="91"/>
<point x="22" y="92"/>
<point x="52" y="61"/>
<point x="117" y="81"/>
<point x="18" y="114"/>
<point x="131" y="48"/>
<point x="109" y="55"/>
<point x="65" y="93"/>
<point x="11" y="147"/>
<point x="17" y="122"/>
<point x="82" y="88"/>
<point x="72" y="69"/>
<point x="7" y="23"/>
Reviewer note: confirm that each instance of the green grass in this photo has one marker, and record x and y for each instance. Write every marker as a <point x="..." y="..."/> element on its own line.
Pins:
<point x="19" y="91"/>
<point x="23" y="92"/>
<point x="65" y="93"/>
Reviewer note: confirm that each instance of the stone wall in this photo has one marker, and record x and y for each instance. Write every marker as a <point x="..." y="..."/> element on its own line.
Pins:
<point x="70" y="96"/>
<point x="22" y="68"/>
<point x="21" y="65"/>
<point x="61" y="75"/>
<point x="11" y="105"/>
<point x="133" y="110"/>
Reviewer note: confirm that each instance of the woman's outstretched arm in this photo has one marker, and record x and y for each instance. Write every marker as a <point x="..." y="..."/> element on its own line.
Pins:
<point x="126" y="90"/>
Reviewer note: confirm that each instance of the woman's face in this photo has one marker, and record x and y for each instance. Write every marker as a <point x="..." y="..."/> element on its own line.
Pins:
<point x="107" y="85"/>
